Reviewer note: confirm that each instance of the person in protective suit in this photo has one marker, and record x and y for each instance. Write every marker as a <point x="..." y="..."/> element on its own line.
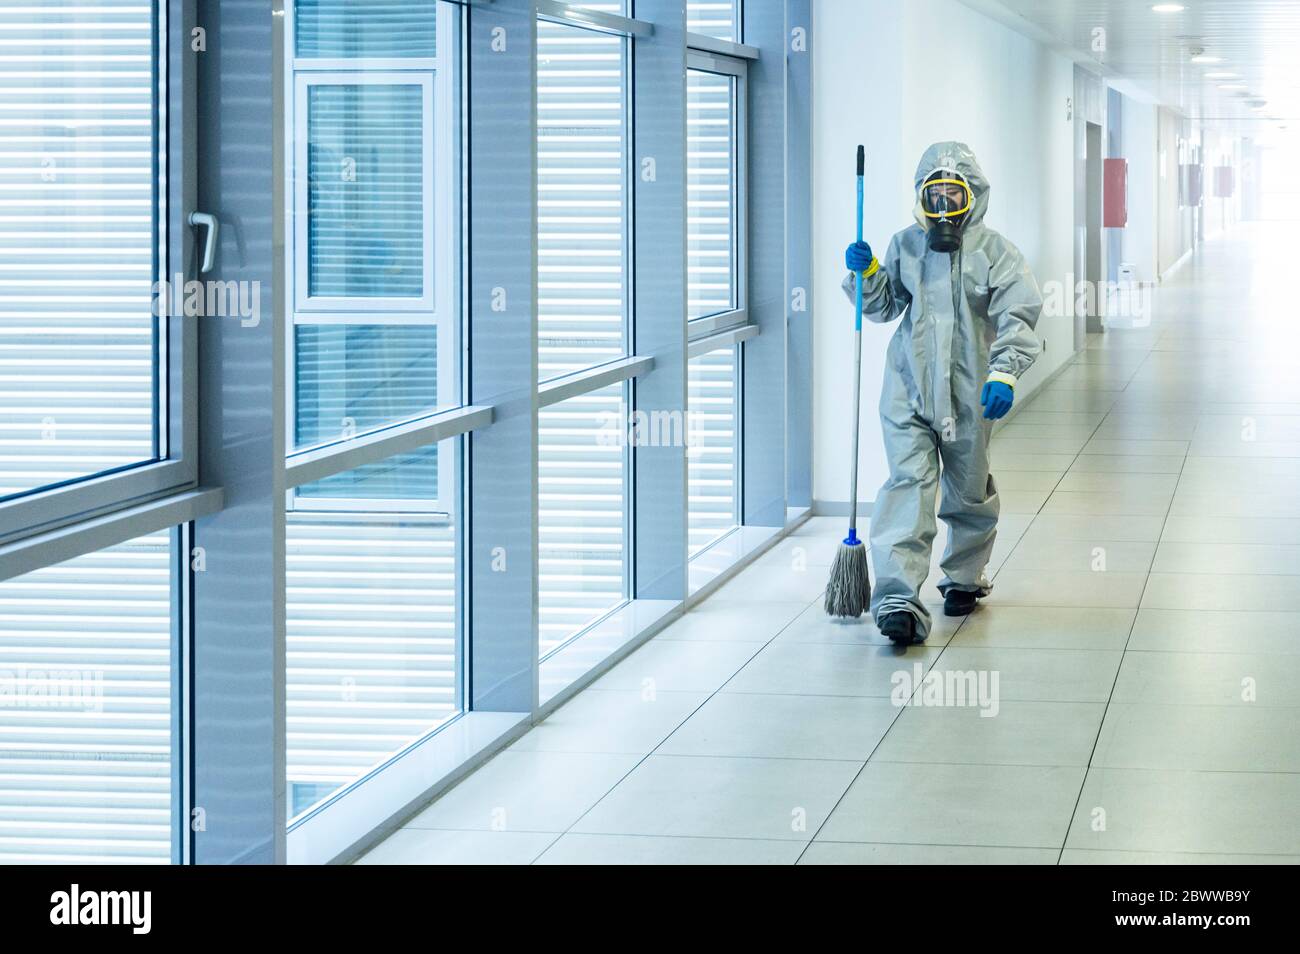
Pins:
<point x="968" y="304"/>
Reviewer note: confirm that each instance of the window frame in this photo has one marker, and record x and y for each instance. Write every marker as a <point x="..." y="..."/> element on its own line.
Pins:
<point x="174" y="468"/>
<point x="441" y="305"/>
<point x="703" y="61"/>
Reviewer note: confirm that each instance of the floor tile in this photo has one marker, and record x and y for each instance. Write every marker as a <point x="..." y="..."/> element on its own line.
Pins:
<point x="527" y="791"/>
<point x="1208" y="738"/>
<point x="580" y="849"/>
<point x="1179" y="811"/>
<point x="1039" y="675"/>
<point x="1045" y="627"/>
<point x="782" y="799"/>
<point x="753" y="725"/>
<point x="850" y="853"/>
<point x="1214" y="591"/>
<point x="1041" y="551"/>
<point x="1009" y="805"/>
<point x="814" y="626"/>
<point x="1099" y="463"/>
<point x="416" y="846"/>
<point x="1011" y="732"/>
<point x="1215" y="631"/>
<point x="830" y="669"/>
<point x="1252" y="559"/>
<point x="1108" y="503"/>
<point x="1216" y="679"/>
<point x="1067" y="588"/>
<point x="600" y="720"/>
<point x="733" y="621"/>
<point x="1085" y="856"/>
<point x="678" y="665"/>
<point x="774" y="584"/>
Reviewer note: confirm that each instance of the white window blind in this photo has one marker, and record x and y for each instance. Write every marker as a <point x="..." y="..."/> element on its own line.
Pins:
<point x="716" y="18"/>
<point x="78" y="240"/>
<point x="582" y="198"/>
<point x="371" y="641"/>
<point x="85" y="709"/>
<point x="582" y="488"/>
<point x="711" y="193"/>
<point x="713" y="458"/>
<point x="366" y="201"/>
<point x="365" y="28"/>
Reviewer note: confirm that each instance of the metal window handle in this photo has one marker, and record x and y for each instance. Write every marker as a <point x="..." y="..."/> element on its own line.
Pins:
<point x="208" y="222"/>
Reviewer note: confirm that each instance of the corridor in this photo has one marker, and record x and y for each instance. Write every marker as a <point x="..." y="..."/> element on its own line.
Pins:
<point x="1137" y="665"/>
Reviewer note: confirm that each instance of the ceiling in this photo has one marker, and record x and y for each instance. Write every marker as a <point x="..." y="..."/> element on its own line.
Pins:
<point x="1258" y="40"/>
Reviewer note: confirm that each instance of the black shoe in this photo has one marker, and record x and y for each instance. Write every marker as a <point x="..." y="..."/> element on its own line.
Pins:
<point x="959" y="602"/>
<point x="899" y="628"/>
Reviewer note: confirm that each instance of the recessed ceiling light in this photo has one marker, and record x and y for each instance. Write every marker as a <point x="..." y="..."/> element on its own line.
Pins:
<point x="1206" y="58"/>
<point x="1168" y="8"/>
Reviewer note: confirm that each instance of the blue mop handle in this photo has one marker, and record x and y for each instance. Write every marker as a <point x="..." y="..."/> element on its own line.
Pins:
<point x="852" y="538"/>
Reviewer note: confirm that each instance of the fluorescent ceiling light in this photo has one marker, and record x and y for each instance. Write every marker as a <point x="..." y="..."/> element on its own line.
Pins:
<point x="1222" y="75"/>
<point x="1231" y="86"/>
<point x="1206" y="58"/>
<point x="1168" y="8"/>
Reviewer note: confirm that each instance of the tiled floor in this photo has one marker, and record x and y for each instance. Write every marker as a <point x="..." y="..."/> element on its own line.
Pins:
<point x="1144" y="632"/>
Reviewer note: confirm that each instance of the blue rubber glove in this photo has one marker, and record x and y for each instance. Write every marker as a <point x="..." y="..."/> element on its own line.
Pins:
<point x="996" y="398"/>
<point x="858" y="257"/>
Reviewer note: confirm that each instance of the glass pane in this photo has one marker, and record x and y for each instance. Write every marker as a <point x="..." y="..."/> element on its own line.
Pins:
<point x="710" y="193"/>
<point x="373" y="633"/>
<point x="582" y="512"/>
<point x="716" y="18"/>
<point x="354" y="28"/>
<point x="365" y="191"/>
<point x="582" y="198"/>
<point x="713" y="454"/>
<point x="86" y="709"/>
<point x="353" y="378"/>
<point x="79" y="233"/>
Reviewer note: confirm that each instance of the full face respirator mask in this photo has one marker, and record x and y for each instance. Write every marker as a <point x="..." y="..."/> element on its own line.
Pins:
<point x="946" y="201"/>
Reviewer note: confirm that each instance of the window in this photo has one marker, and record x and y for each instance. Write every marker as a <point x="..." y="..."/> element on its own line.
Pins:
<point x="373" y="607"/>
<point x="583" y="189"/>
<point x="373" y="593"/>
<point x="715" y="192"/>
<point x="86" y="709"/>
<point x="376" y="329"/>
<point x="89" y="352"/>
<point x="719" y="19"/>
<point x="583" y="500"/>
<point x="713" y="454"/>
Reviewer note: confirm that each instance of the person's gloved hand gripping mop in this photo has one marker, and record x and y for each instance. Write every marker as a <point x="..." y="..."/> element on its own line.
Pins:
<point x="848" y="592"/>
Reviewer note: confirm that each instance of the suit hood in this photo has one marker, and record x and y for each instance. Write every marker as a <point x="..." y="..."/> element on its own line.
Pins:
<point x="953" y="157"/>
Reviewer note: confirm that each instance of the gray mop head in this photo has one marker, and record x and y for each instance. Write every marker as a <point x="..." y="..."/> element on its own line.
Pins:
<point x="848" y="593"/>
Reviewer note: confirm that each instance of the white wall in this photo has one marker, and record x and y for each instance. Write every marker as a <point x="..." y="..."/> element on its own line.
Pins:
<point x="1139" y="236"/>
<point x="1000" y="92"/>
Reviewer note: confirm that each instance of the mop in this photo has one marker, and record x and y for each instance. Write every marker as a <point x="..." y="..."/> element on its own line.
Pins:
<point x="848" y="592"/>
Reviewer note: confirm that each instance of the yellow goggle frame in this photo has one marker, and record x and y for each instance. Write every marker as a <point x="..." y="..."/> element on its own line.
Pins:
<point x="970" y="198"/>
